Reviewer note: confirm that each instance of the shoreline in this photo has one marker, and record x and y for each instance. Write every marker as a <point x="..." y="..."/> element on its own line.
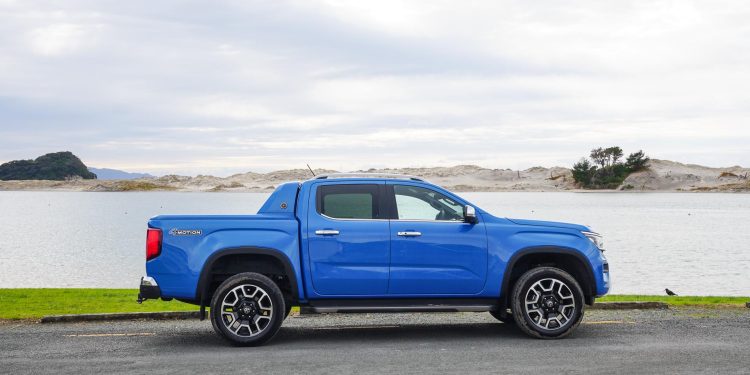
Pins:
<point x="457" y="191"/>
<point x="660" y="176"/>
<point x="575" y="191"/>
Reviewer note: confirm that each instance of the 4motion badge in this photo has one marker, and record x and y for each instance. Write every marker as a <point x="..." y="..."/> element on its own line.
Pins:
<point x="185" y="232"/>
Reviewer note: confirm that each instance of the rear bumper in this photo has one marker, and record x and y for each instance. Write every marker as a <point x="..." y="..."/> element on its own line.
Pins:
<point x="149" y="289"/>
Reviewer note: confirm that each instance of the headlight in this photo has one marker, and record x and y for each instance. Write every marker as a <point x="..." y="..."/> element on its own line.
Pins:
<point x="596" y="238"/>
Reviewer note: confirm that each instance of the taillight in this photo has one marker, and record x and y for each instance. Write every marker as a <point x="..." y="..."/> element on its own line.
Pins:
<point x="153" y="243"/>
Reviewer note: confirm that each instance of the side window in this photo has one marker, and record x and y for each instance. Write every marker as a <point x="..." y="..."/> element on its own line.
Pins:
<point x="348" y="201"/>
<point x="416" y="203"/>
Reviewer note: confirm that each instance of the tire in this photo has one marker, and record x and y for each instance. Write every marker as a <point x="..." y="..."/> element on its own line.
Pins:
<point x="547" y="303"/>
<point x="247" y="309"/>
<point x="508" y="319"/>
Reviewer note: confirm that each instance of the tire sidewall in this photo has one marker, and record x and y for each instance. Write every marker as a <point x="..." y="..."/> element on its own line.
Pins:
<point x="519" y="296"/>
<point x="277" y="301"/>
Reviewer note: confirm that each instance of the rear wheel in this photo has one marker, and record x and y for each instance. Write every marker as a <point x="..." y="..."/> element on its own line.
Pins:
<point x="547" y="303"/>
<point x="247" y="309"/>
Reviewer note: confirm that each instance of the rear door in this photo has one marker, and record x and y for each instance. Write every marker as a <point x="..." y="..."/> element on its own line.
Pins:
<point x="433" y="251"/>
<point x="349" y="242"/>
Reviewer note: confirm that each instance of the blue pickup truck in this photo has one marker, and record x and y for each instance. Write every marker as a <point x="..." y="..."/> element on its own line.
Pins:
<point x="348" y="243"/>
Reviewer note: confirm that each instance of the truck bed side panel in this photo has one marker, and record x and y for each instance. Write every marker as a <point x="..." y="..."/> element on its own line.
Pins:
<point x="177" y="270"/>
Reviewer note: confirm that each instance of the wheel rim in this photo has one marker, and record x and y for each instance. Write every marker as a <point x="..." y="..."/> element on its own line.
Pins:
<point x="246" y="310"/>
<point x="550" y="304"/>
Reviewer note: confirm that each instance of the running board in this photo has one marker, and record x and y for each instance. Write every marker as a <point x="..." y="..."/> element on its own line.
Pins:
<point x="398" y="305"/>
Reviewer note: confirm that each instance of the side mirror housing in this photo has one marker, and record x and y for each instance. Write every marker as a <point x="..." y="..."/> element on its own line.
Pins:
<point x="470" y="214"/>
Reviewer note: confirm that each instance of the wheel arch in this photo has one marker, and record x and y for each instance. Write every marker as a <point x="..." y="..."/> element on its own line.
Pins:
<point x="206" y="277"/>
<point x="565" y="258"/>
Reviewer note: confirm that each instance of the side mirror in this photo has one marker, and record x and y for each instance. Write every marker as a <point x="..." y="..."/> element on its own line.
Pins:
<point x="470" y="214"/>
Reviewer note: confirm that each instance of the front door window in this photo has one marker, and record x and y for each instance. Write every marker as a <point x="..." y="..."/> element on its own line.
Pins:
<point x="416" y="203"/>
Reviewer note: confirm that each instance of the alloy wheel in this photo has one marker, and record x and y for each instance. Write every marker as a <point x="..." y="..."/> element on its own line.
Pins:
<point x="246" y="310"/>
<point x="550" y="304"/>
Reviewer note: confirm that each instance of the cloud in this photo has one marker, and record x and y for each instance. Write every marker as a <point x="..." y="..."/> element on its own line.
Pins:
<point x="226" y="87"/>
<point x="58" y="39"/>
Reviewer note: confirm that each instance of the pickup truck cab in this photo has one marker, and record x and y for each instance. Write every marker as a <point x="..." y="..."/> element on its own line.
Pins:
<point x="348" y="243"/>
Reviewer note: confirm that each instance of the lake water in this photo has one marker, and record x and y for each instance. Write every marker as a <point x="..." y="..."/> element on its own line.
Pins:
<point x="694" y="244"/>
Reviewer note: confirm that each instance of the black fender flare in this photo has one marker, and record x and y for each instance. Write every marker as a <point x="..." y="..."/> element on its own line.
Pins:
<point x="549" y="249"/>
<point x="204" y="281"/>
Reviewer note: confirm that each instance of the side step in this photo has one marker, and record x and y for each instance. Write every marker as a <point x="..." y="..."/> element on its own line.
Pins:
<point x="399" y="305"/>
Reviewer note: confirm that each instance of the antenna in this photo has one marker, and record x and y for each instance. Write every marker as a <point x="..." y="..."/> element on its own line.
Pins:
<point x="311" y="171"/>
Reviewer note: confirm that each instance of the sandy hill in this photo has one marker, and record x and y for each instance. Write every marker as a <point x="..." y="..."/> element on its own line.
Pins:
<point x="662" y="175"/>
<point x="670" y="175"/>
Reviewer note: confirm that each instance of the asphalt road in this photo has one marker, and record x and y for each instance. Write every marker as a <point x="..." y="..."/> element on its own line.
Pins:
<point x="632" y="342"/>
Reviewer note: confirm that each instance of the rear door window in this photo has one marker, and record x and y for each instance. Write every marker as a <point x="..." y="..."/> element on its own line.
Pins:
<point x="360" y="201"/>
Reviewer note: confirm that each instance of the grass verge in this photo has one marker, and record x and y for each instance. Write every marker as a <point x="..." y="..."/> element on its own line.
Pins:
<point x="710" y="301"/>
<point x="35" y="303"/>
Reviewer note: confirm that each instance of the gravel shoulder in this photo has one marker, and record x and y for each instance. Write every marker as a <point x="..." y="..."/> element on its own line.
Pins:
<point x="684" y="340"/>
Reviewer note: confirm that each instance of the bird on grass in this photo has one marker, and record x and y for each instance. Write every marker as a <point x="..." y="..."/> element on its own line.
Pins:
<point x="670" y="293"/>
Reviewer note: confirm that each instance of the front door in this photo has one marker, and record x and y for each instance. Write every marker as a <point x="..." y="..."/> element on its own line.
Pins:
<point x="433" y="251"/>
<point x="349" y="243"/>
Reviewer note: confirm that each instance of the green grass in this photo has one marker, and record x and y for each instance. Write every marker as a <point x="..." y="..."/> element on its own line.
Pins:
<point x="679" y="300"/>
<point x="36" y="303"/>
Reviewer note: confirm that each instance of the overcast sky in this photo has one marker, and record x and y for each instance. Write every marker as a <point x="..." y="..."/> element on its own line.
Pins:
<point x="224" y="87"/>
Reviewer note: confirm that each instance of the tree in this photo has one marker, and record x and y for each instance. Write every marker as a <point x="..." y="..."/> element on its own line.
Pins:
<point x="637" y="161"/>
<point x="599" y="157"/>
<point x="614" y="153"/>
<point x="583" y="171"/>
<point x="607" y="170"/>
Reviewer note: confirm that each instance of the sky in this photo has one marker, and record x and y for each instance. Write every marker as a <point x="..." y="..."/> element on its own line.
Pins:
<point x="223" y="87"/>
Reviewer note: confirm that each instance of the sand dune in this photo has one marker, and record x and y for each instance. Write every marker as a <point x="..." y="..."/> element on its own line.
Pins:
<point x="662" y="175"/>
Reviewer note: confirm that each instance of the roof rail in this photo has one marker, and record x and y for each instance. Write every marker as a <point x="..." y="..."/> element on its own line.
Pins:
<point x="369" y="175"/>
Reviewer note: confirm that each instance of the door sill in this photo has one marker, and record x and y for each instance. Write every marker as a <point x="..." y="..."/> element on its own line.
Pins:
<point x="399" y="305"/>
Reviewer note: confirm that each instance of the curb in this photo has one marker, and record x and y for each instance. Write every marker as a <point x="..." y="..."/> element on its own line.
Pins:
<point x="176" y="315"/>
<point x="167" y="315"/>
<point x="630" y="306"/>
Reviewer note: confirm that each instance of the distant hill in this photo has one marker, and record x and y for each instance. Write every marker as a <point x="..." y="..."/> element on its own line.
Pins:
<point x="55" y="166"/>
<point x="116" y="174"/>
<point x="661" y="175"/>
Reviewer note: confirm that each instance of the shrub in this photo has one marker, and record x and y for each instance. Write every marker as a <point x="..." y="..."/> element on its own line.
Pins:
<point x="583" y="171"/>
<point x="637" y="161"/>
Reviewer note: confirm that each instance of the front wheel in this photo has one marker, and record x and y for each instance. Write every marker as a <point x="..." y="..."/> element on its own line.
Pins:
<point x="247" y="309"/>
<point x="547" y="303"/>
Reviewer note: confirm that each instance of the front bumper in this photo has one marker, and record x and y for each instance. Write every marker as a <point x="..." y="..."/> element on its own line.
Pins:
<point x="606" y="281"/>
<point x="149" y="289"/>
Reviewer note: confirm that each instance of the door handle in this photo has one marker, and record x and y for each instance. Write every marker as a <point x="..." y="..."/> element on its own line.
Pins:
<point x="327" y="232"/>
<point x="409" y="234"/>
